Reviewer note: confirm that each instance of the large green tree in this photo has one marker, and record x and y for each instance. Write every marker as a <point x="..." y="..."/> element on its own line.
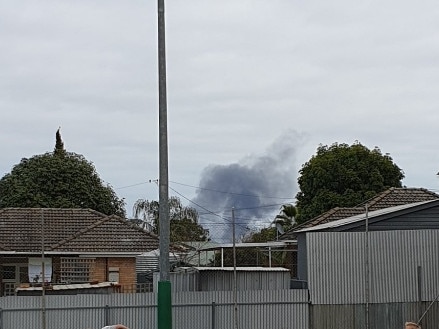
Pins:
<point x="184" y="220"/>
<point x="343" y="175"/>
<point x="58" y="179"/>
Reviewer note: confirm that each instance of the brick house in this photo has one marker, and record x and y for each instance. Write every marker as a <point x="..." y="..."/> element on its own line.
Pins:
<point x="76" y="245"/>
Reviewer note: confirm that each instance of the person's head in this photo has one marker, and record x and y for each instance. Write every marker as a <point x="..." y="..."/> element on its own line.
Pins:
<point x="412" y="325"/>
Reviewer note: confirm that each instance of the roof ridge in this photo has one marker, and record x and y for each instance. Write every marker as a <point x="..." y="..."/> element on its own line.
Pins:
<point x="382" y="195"/>
<point x="71" y="229"/>
<point x="378" y="197"/>
<point x="98" y="223"/>
<point x="372" y="214"/>
<point x="80" y="232"/>
<point x="326" y="214"/>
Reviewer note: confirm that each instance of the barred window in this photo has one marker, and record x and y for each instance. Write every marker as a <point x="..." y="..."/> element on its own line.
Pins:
<point x="9" y="272"/>
<point x="76" y="270"/>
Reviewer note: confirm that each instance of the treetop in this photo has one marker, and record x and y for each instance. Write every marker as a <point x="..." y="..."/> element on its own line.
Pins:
<point x="59" y="144"/>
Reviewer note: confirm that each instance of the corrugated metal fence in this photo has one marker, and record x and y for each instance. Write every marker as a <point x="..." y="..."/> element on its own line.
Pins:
<point x="403" y="267"/>
<point x="381" y="316"/>
<point x="397" y="285"/>
<point x="191" y="310"/>
<point x="281" y="309"/>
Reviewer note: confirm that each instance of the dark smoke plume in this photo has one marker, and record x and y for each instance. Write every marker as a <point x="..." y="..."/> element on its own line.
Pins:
<point x="256" y="187"/>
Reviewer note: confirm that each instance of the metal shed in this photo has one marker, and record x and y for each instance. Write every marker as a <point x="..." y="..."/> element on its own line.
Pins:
<point x="222" y="278"/>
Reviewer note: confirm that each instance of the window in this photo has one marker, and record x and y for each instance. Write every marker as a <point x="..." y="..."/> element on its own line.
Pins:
<point x="9" y="273"/>
<point x="36" y="269"/>
<point x="76" y="270"/>
<point x="13" y="275"/>
<point x="113" y="274"/>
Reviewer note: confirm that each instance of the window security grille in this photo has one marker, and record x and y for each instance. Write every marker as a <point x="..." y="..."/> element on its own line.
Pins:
<point x="76" y="270"/>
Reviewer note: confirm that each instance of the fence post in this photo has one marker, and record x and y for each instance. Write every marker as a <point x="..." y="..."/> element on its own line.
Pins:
<point x="213" y="315"/>
<point x="107" y="315"/>
<point x="419" y="291"/>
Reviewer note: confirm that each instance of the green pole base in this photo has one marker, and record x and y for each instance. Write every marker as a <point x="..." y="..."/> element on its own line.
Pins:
<point x="164" y="309"/>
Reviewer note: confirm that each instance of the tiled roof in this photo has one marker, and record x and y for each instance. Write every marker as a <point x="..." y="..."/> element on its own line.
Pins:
<point x="360" y="218"/>
<point x="399" y="196"/>
<point x="331" y="215"/>
<point x="390" y="198"/>
<point x="70" y="230"/>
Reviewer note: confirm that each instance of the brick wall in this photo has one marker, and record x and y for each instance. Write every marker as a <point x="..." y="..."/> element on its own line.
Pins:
<point x="125" y="265"/>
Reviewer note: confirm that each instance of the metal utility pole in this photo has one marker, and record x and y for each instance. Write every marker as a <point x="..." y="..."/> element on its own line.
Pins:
<point x="235" y="299"/>
<point x="164" y="304"/>
<point x="367" y="267"/>
<point x="43" y="274"/>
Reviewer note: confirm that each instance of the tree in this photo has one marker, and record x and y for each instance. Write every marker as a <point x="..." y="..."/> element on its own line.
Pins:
<point x="252" y="256"/>
<point x="281" y="223"/>
<point x="58" y="179"/>
<point x="343" y="176"/>
<point x="184" y="226"/>
<point x="287" y="217"/>
<point x="265" y="234"/>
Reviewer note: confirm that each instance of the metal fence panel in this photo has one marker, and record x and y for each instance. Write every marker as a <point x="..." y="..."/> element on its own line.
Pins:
<point x="280" y="309"/>
<point x="336" y="267"/>
<point x="191" y="310"/>
<point x="403" y="266"/>
<point x="390" y="315"/>
<point x="77" y="311"/>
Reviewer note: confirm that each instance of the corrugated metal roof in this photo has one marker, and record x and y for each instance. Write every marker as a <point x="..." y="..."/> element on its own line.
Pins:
<point x="268" y="244"/>
<point x="362" y="217"/>
<point x="70" y="286"/>
<point x="390" y="198"/>
<point x="239" y="269"/>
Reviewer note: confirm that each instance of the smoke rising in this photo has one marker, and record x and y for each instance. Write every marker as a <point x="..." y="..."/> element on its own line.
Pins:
<point x="255" y="186"/>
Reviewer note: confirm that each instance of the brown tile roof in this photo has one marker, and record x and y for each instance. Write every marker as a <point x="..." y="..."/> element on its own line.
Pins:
<point x="70" y="230"/>
<point x="390" y="198"/>
<point x="331" y="215"/>
<point x="399" y="196"/>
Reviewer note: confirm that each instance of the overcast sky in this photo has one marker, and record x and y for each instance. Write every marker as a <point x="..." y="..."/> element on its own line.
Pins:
<point x="253" y="88"/>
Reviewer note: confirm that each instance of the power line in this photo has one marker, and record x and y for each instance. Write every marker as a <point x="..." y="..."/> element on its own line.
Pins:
<point x="242" y="223"/>
<point x="233" y="193"/>
<point x="208" y="189"/>
<point x="226" y="218"/>
<point x="264" y="206"/>
<point x="212" y="213"/>
<point x="209" y="212"/>
<point x="122" y="187"/>
<point x="247" y="208"/>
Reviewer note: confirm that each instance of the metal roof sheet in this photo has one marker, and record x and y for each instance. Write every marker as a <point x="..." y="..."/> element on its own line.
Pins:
<point x="239" y="269"/>
<point x="71" y="286"/>
<point x="362" y="217"/>
<point x="391" y="197"/>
